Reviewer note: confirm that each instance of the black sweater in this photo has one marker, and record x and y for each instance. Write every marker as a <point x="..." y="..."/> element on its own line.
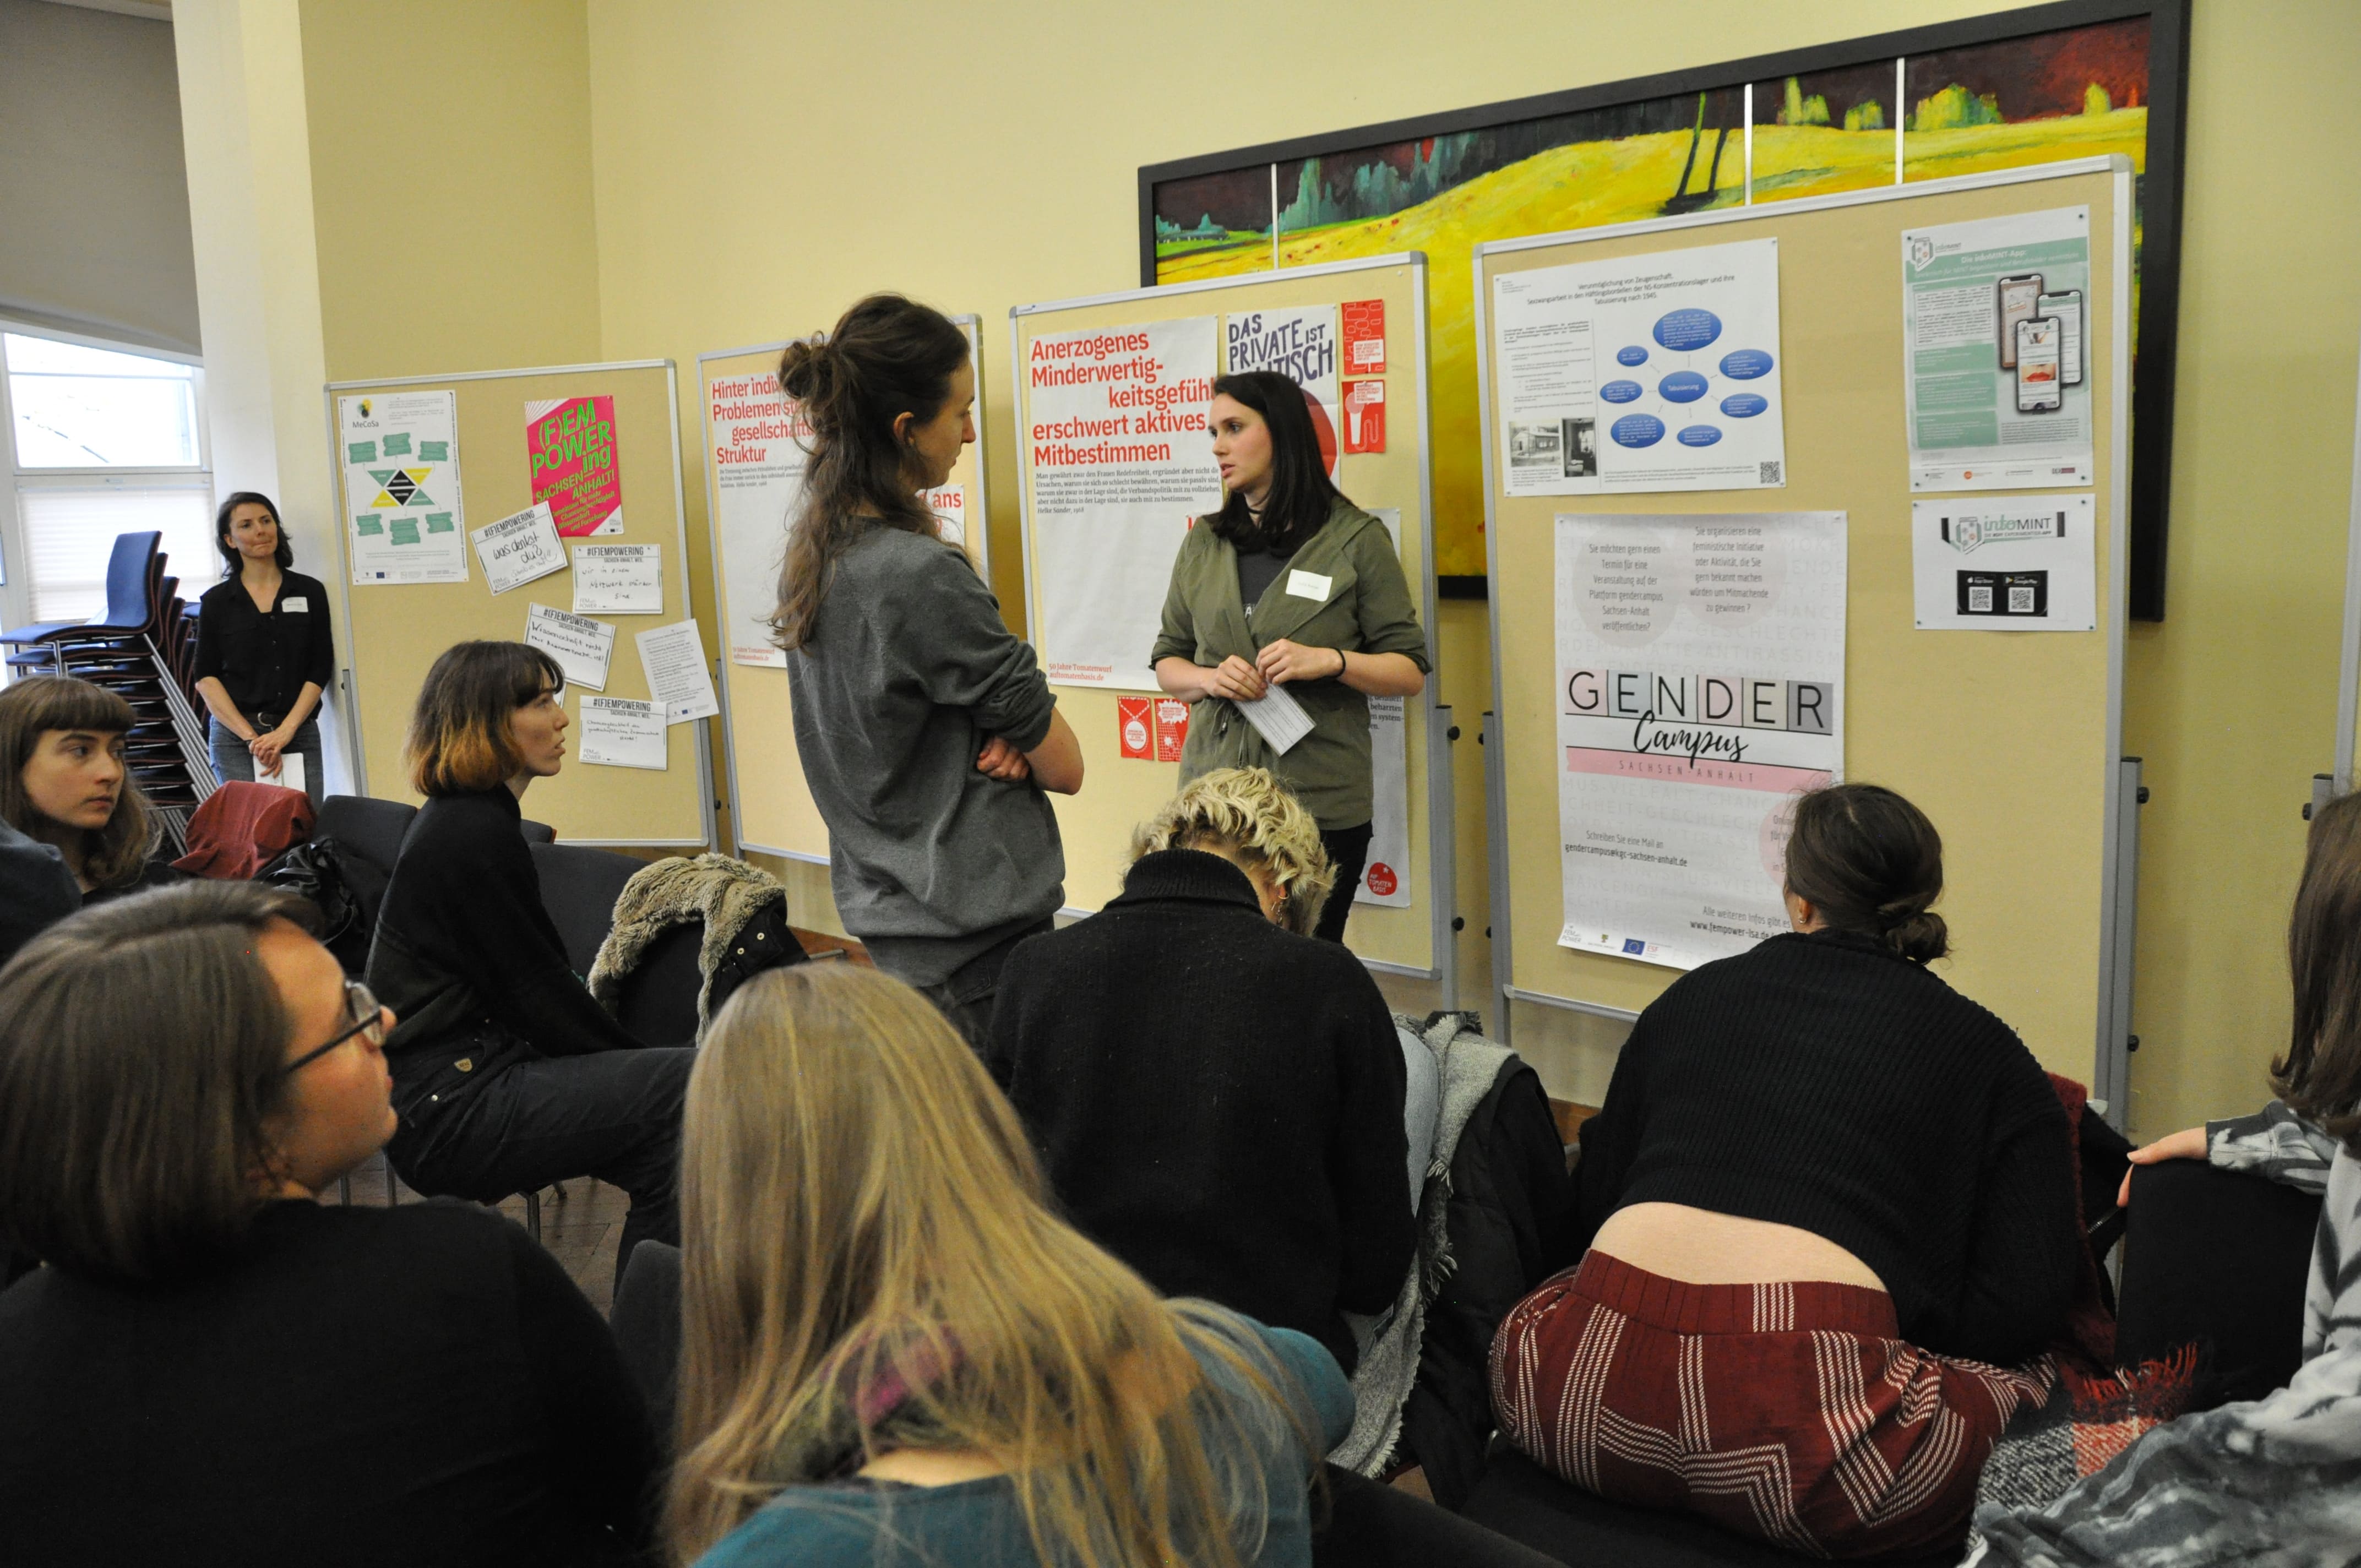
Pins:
<point x="463" y="940"/>
<point x="420" y="1384"/>
<point x="1822" y="1082"/>
<point x="1217" y="1101"/>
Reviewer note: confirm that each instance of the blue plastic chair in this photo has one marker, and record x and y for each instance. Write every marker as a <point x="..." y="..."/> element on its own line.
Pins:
<point x="128" y="605"/>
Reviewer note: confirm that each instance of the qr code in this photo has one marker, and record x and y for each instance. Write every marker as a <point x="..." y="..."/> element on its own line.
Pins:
<point x="1980" y="600"/>
<point x="1770" y="475"/>
<point x="2020" y="601"/>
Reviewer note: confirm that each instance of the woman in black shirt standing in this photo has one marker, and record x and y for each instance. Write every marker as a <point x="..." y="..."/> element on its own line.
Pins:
<point x="264" y="651"/>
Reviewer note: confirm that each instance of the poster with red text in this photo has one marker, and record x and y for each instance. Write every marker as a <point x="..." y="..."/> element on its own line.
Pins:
<point x="1299" y="344"/>
<point x="1365" y="337"/>
<point x="1118" y="461"/>
<point x="570" y="445"/>
<point x="757" y="436"/>
<point x="1365" y="415"/>
<point x="1135" y="724"/>
<point x="1700" y="675"/>
<point x="1172" y="727"/>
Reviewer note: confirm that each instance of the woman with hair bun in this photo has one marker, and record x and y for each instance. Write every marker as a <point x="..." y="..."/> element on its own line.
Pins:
<point x="926" y="730"/>
<point x="1827" y="1202"/>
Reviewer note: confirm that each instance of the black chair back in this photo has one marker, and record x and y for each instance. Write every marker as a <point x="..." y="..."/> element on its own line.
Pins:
<point x="538" y="832"/>
<point x="578" y="887"/>
<point x="2218" y="1258"/>
<point x="370" y="828"/>
<point x="1522" y="1501"/>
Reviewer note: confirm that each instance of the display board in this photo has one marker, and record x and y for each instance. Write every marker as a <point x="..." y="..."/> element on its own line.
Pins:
<point x="585" y="439"/>
<point x="2008" y="739"/>
<point x="1377" y="308"/>
<point x="752" y="467"/>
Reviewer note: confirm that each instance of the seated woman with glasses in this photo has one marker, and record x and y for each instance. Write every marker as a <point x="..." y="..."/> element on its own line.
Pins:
<point x="213" y="1367"/>
<point x="508" y="1073"/>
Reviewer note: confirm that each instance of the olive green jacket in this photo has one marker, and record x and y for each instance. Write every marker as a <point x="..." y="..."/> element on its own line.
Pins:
<point x="1368" y="610"/>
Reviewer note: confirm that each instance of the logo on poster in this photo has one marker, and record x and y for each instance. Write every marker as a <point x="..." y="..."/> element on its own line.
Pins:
<point x="1922" y="252"/>
<point x="1381" y="879"/>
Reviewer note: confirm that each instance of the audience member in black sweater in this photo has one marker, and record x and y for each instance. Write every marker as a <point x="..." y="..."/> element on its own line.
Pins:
<point x="1217" y="1097"/>
<point x="214" y="1368"/>
<point x="1818" y="1134"/>
<point x="507" y="1072"/>
<point x="65" y="782"/>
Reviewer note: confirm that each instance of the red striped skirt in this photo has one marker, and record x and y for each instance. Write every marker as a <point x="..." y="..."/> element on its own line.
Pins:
<point x="1791" y="1412"/>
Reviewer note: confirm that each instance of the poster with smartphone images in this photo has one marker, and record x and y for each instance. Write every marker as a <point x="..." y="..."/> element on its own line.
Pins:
<point x="1995" y="352"/>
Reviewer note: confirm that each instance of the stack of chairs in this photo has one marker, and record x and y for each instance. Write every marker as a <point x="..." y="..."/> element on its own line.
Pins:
<point x="144" y="649"/>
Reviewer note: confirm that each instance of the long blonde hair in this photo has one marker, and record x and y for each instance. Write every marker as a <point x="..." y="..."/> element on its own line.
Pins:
<point x="870" y="1264"/>
<point x="1253" y="817"/>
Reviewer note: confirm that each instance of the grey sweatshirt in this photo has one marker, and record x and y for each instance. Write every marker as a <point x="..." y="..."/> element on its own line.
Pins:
<point x="906" y="673"/>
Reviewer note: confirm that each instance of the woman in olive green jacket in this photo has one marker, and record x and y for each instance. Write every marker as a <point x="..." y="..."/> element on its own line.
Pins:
<point x="1292" y="584"/>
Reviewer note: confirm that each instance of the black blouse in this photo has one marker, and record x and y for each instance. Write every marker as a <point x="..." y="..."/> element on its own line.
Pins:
<point x="263" y="661"/>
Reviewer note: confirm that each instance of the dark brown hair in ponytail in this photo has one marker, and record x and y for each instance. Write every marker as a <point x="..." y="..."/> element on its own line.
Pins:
<point x="886" y="358"/>
<point x="1869" y="862"/>
<point x="2320" y="1078"/>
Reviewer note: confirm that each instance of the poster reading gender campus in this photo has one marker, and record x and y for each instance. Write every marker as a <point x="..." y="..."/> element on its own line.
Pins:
<point x="1118" y="462"/>
<point x="1700" y="664"/>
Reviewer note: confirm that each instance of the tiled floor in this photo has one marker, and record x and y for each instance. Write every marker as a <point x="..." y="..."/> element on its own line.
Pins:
<point x="582" y="1230"/>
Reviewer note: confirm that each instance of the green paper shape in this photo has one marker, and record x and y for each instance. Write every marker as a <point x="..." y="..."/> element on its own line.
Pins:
<point x="383" y="476"/>
<point x="438" y="522"/>
<point x="361" y="452"/>
<point x="368" y="525"/>
<point x="419" y="499"/>
<point x="405" y="531"/>
<point x="397" y="444"/>
<point x="434" y="452"/>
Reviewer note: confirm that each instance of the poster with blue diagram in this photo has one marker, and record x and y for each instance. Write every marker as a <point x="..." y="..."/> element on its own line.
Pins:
<point x="1656" y="372"/>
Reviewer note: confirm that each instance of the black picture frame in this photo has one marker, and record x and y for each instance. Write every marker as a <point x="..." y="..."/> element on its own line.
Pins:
<point x="2159" y="196"/>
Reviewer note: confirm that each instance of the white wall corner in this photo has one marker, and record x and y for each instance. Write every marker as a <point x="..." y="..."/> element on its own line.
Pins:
<point x="246" y="131"/>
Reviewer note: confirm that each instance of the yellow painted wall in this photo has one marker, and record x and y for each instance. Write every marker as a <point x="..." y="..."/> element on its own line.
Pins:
<point x="2233" y="700"/>
<point x="451" y="184"/>
<point x="756" y="166"/>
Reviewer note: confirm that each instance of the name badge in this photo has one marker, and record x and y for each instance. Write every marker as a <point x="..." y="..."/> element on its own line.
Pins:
<point x="1309" y="585"/>
<point x="298" y="605"/>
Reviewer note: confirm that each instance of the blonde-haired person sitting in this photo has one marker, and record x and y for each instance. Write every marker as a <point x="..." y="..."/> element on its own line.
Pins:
<point x="894" y="1352"/>
<point x="1216" y="1096"/>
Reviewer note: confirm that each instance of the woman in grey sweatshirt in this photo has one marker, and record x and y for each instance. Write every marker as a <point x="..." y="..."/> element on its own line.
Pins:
<point x="926" y="730"/>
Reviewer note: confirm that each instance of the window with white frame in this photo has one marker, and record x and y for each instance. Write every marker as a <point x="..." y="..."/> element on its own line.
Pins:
<point x="99" y="441"/>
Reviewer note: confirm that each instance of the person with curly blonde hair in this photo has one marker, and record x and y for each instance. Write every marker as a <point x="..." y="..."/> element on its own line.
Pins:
<point x="1216" y="1095"/>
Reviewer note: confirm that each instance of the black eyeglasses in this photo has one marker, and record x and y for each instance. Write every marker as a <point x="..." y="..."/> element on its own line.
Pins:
<point x="368" y="1018"/>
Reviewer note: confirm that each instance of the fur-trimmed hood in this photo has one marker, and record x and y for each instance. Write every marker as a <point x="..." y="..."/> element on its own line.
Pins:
<point x="725" y="893"/>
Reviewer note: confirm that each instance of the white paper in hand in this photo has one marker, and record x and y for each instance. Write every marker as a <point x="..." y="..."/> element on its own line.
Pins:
<point x="288" y="774"/>
<point x="1278" y="718"/>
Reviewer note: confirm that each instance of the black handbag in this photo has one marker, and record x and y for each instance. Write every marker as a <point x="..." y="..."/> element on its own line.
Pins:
<point x="344" y="888"/>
